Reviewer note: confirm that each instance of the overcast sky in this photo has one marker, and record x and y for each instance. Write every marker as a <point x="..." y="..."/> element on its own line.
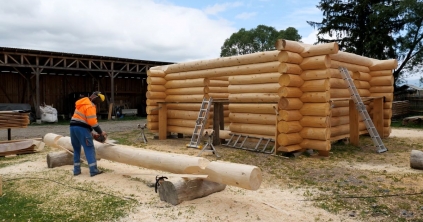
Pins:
<point x="159" y="30"/>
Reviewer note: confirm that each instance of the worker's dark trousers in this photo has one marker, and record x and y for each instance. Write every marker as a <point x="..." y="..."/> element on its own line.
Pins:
<point x="81" y="136"/>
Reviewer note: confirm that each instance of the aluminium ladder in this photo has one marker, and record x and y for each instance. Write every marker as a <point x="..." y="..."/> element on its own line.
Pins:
<point x="200" y="123"/>
<point x="363" y="111"/>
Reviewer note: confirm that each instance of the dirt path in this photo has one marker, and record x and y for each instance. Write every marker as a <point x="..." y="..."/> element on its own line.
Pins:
<point x="270" y="203"/>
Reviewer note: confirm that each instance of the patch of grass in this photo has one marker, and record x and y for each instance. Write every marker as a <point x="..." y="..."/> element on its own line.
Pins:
<point x="32" y="199"/>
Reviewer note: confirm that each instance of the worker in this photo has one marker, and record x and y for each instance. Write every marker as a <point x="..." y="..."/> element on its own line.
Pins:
<point x="83" y="121"/>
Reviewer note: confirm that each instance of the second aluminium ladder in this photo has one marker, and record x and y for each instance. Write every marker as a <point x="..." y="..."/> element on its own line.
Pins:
<point x="363" y="111"/>
<point x="200" y="123"/>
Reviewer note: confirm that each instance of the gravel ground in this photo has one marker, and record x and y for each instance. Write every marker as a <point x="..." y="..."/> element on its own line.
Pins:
<point x="39" y="130"/>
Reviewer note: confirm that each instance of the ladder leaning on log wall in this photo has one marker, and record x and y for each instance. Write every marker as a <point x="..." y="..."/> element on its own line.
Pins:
<point x="302" y="81"/>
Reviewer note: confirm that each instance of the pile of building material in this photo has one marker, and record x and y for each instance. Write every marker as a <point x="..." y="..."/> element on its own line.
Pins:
<point x="16" y="147"/>
<point x="14" y="119"/>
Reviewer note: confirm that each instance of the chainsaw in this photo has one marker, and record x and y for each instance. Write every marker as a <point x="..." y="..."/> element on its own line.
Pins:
<point x="101" y="138"/>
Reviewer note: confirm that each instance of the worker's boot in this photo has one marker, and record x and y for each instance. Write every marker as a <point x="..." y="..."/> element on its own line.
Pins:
<point x="94" y="170"/>
<point x="76" y="169"/>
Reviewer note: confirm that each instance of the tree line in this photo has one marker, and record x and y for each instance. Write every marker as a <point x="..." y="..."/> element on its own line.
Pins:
<point x="380" y="29"/>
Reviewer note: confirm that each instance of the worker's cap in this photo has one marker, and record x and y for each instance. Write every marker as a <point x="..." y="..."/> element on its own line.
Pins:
<point x="98" y="94"/>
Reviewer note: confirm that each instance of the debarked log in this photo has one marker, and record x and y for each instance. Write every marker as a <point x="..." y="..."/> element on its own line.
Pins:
<point x="60" y="158"/>
<point x="416" y="159"/>
<point x="240" y="175"/>
<point x="175" y="191"/>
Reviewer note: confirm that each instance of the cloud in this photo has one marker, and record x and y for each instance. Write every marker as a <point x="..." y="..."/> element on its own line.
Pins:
<point x="246" y="15"/>
<point x="311" y="38"/>
<point x="136" y="29"/>
<point x="218" y="8"/>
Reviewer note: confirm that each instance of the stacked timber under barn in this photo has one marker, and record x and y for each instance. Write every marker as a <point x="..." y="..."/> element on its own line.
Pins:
<point x="295" y="94"/>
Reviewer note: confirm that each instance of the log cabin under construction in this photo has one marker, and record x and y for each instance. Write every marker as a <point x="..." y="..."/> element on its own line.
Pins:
<point x="294" y="94"/>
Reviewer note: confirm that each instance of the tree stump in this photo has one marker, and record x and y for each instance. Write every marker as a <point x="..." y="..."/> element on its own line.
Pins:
<point x="60" y="158"/>
<point x="416" y="159"/>
<point x="175" y="191"/>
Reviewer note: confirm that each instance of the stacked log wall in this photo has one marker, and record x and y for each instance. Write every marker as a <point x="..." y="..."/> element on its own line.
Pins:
<point x="155" y="93"/>
<point x="301" y="81"/>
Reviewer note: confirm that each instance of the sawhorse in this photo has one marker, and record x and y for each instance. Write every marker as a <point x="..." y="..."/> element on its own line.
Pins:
<point x="209" y="143"/>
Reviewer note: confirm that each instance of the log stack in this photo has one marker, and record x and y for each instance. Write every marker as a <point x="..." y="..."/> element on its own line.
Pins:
<point x="382" y="85"/>
<point x="155" y="93"/>
<point x="301" y="81"/>
<point x="13" y="119"/>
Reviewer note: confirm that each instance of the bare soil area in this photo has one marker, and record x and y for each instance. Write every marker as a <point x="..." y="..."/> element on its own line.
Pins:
<point x="274" y="201"/>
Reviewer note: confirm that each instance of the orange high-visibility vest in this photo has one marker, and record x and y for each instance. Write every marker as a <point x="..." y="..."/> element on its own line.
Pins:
<point x="85" y="112"/>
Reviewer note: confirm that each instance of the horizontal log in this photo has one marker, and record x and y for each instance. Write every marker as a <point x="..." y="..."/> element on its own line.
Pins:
<point x="382" y="81"/>
<point x="155" y="95"/>
<point x="320" y="49"/>
<point x="253" y="129"/>
<point x="340" y="111"/>
<point x="316" y="74"/>
<point x="187" y="83"/>
<point x="185" y="98"/>
<point x="289" y="139"/>
<point x="253" y="118"/>
<point x="265" y="67"/>
<point x="254" y="97"/>
<point x="315" y="133"/>
<point x="254" y="78"/>
<point x="290" y="104"/>
<point x="258" y="57"/>
<point x="219" y="83"/>
<point x="315" y="109"/>
<point x="152" y="110"/>
<point x="315" y="121"/>
<point x="290" y="80"/>
<point x="351" y="67"/>
<point x="187" y="91"/>
<point x="153" y="125"/>
<point x="352" y="58"/>
<point x="289" y="149"/>
<point x="182" y="114"/>
<point x="290" y="92"/>
<point x="289" y="45"/>
<point x="190" y="106"/>
<point x="315" y="62"/>
<point x="254" y="88"/>
<point x="182" y="122"/>
<point x="384" y="64"/>
<point x="338" y="83"/>
<point x="289" y="115"/>
<point x="323" y="145"/>
<point x="216" y="89"/>
<point x="57" y="159"/>
<point x="289" y="68"/>
<point x="335" y="73"/>
<point x="380" y="73"/>
<point x="225" y="78"/>
<point x="339" y="120"/>
<point x="252" y="108"/>
<point x="152" y="118"/>
<point x="156" y="88"/>
<point x="382" y="89"/>
<point x="219" y="95"/>
<point x="315" y="97"/>
<point x="290" y="57"/>
<point x="289" y="127"/>
<point x="156" y="73"/>
<point x="388" y="97"/>
<point x="175" y="191"/>
<point x="363" y="76"/>
<point x="316" y="85"/>
<point x="156" y="80"/>
<point x="362" y="84"/>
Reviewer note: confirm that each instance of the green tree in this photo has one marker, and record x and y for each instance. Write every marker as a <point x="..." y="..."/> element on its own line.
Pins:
<point x="380" y="29"/>
<point x="261" y="38"/>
